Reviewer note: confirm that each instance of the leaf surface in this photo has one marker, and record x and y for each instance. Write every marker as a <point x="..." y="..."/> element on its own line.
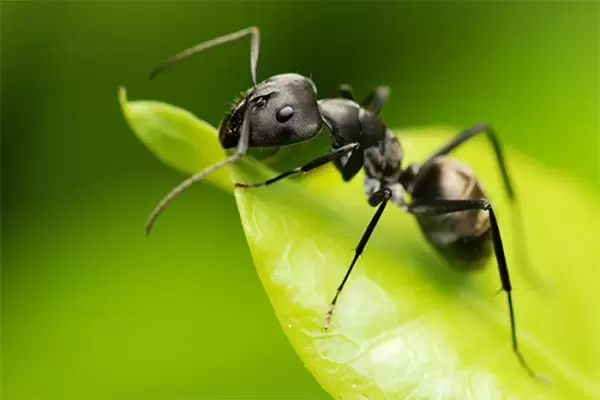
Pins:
<point x="407" y="325"/>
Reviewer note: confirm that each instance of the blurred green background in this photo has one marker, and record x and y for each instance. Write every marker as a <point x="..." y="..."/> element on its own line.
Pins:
<point x="91" y="308"/>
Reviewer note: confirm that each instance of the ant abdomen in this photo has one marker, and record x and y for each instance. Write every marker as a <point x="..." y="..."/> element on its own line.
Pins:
<point x="463" y="237"/>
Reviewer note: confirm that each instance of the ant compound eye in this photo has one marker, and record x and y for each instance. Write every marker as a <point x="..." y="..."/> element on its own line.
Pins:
<point x="260" y="102"/>
<point x="284" y="114"/>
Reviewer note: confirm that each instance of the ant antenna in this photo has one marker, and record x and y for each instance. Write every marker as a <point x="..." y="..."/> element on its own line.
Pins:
<point x="242" y="146"/>
<point x="231" y="37"/>
<point x="240" y="151"/>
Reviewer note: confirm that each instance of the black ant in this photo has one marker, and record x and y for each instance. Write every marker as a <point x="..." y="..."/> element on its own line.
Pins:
<point x="447" y="199"/>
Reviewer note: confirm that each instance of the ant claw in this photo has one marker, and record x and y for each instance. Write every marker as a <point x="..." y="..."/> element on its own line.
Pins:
<point x="328" y="318"/>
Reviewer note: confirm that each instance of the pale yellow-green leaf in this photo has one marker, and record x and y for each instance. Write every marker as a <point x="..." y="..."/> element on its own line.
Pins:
<point x="407" y="325"/>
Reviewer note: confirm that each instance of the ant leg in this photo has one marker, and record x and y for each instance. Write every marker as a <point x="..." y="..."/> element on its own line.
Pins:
<point x="468" y="134"/>
<point x="517" y="220"/>
<point x="351" y="166"/>
<point x="333" y="155"/>
<point x="346" y="92"/>
<point x="376" y="99"/>
<point x="242" y="147"/>
<point x="443" y="206"/>
<point x="380" y="197"/>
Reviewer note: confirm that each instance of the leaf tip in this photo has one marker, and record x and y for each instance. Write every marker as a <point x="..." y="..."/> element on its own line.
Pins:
<point x="122" y="96"/>
<point x="123" y="102"/>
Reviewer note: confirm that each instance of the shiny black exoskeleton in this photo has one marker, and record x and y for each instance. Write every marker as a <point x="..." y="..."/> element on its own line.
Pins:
<point x="447" y="200"/>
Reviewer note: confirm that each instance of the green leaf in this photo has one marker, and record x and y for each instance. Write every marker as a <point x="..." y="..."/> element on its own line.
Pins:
<point x="407" y="325"/>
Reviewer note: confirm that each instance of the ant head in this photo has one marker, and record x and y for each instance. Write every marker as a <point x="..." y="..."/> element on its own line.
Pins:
<point x="276" y="112"/>
<point x="281" y="110"/>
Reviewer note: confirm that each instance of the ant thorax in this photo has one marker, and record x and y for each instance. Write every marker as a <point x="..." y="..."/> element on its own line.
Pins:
<point x="382" y="166"/>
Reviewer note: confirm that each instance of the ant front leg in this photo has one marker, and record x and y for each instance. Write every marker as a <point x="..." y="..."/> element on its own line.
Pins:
<point x="329" y="157"/>
<point x="438" y="207"/>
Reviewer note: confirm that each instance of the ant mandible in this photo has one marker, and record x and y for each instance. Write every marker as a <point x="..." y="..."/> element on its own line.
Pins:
<point x="448" y="202"/>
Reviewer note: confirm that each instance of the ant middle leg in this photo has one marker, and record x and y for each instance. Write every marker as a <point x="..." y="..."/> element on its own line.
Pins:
<point x="381" y="198"/>
<point x="446" y="206"/>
